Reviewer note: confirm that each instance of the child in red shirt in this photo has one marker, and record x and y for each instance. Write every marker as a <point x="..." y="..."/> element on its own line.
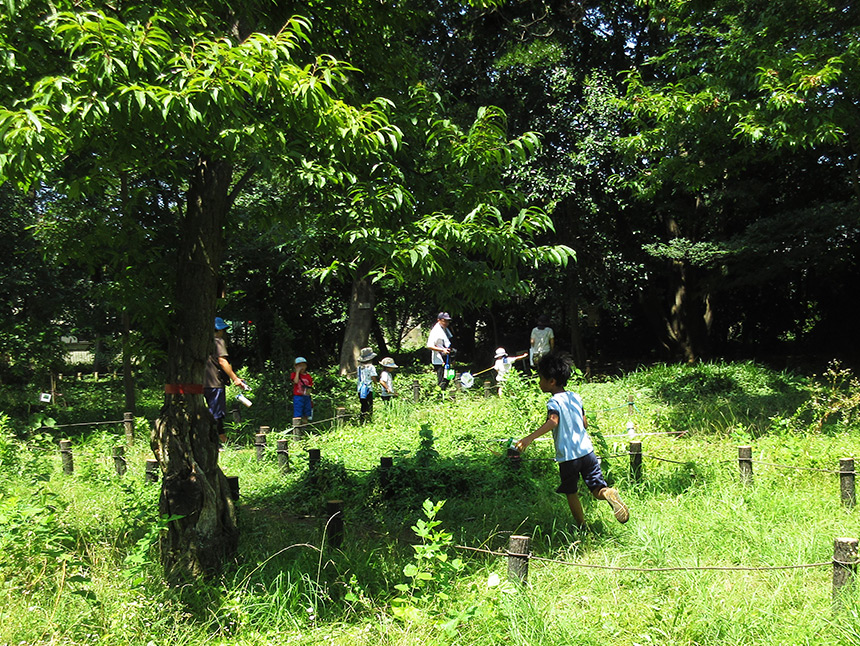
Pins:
<point x="302" y="384"/>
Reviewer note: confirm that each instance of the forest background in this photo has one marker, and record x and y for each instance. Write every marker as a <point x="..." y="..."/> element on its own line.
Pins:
<point x="697" y="163"/>
<point x="666" y="180"/>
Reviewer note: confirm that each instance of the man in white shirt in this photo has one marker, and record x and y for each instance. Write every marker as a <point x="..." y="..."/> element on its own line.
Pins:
<point x="439" y="341"/>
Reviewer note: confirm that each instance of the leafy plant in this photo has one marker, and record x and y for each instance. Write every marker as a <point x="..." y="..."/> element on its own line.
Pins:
<point x="835" y="396"/>
<point x="430" y="571"/>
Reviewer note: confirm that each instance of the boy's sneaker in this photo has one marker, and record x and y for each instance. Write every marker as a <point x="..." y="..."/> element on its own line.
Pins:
<point x="622" y="514"/>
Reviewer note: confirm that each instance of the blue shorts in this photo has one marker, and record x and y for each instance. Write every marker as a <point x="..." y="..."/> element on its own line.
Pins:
<point x="588" y="466"/>
<point x="301" y="405"/>
<point x="216" y="399"/>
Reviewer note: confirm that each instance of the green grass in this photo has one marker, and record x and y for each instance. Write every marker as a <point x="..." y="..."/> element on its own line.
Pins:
<point x="76" y="565"/>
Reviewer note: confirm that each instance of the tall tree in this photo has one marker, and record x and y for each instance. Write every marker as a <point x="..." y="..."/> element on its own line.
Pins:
<point x="184" y="94"/>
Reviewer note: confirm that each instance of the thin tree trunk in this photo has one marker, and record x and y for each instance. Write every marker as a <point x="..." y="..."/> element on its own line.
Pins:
<point x="359" y="323"/>
<point x="127" y="375"/>
<point x="185" y="439"/>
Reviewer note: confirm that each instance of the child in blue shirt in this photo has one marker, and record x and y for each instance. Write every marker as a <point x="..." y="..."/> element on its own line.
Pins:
<point x="574" y="451"/>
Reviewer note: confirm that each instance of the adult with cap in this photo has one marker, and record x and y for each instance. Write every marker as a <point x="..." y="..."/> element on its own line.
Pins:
<point x="366" y="378"/>
<point x="218" y="372"/>
<point x="439" y="342"/>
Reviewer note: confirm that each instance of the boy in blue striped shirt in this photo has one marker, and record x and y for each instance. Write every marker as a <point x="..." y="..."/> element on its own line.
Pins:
<point x="574" y="451"/>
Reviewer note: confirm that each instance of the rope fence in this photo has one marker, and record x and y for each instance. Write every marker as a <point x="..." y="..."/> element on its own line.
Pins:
<point x="844" y="562"/>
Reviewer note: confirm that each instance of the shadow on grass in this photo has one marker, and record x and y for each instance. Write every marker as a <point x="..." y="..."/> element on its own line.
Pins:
<point x="718" y="397"/>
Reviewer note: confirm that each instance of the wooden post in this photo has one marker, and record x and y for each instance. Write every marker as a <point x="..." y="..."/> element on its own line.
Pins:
<point x="339" y="417"/>
<point x="745" y="464"/>
<point x="260" y="443"/>
<point x="66" y="455"/>
<point x="488" y="388"/>
<point x="416" y="391"/>
<point x="846" y="482"/>
<point x="518" y="558"/>
<point x="631" y="407"/>
<point x="844" y="567"/>
<point x="457" y="385"/>
<point x="297" y="427"/>
<point x="233" y="486"/>
<point x="284" y="455"/>
<point x="151" y="471"/>
<point x="334" y="524"/>
<point x="314" y="460"/>
<point x="514" y="457"/>
<point x="635" y="461"/>
<point x="385" y="464"/>
<point x="237" y="416"/>
<point x="119" y="460"/>
<point x="128" y="425"/>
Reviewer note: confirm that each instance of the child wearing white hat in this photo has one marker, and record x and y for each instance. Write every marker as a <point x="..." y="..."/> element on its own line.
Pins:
<point x="386" y="379"/>
<point x="503" y="365"/>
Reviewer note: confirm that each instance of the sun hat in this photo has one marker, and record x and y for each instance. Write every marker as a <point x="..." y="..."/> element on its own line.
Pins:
<point x="388" y="362"/>
<point x="443" y="315"/>
<point x="300" y="360"/>
<point x="220" y="324"/>
<point x="501" y="352"/>
<point x="366" y="355"/>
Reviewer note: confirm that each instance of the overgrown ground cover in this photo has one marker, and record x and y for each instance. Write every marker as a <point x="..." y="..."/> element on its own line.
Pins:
<point x="78" y="562"/>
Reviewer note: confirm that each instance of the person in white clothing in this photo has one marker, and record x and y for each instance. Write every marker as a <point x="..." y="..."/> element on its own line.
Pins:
<point x="439" y="341"/>
<point x="503" y="364"/>
<point x="386" y="379"/>
<point x="542" y="340"/>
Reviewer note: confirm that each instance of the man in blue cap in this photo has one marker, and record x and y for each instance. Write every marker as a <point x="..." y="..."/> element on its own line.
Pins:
<point x="218" y="370"/>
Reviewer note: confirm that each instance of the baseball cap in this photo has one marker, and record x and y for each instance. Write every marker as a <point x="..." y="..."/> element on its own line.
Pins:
<point x="444" y="315"/>
<point x="220" y="324"/>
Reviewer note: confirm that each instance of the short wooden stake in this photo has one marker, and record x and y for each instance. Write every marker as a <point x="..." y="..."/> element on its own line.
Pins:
<point x="119" y="462"/>
<point x="283" y="455"/>
<point x="846" y="482"/>
<point x="385" y="464"/>
<point x="488" y="388"/>
<point x="151" y="471"/>
<point x="339" y="417"/>
<point x="635" y="450"/>
<point x="334" y="524"/>
<point x="297" y="427"/>
<point x="518" y="558"/>
<point x="314" y="460"/>
<point x="237" y="416"/>
<point x="416" y="391"/>
<point x="457" y="385"/>
<point x="745" y="464"/>
<point x="66" y="455"/>
<point x="844" y="567"/>
<point x="233" y="487"/>
<point x="128" y="425"/>
<point x="260" y="444"/>
<point x="631" y="407"/>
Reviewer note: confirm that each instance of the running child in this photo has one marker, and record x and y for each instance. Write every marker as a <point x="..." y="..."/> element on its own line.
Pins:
<point x="574" y="451"/>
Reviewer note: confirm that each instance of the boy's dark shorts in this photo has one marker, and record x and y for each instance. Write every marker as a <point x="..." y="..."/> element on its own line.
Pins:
<point x="588" y="467"/>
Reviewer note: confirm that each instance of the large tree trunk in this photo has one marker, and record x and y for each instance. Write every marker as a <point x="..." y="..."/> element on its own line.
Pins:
<point x="185" y="439"/>
<point x="359" y="323"/>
